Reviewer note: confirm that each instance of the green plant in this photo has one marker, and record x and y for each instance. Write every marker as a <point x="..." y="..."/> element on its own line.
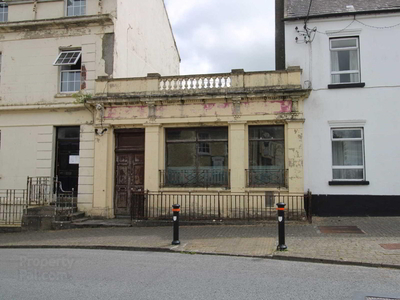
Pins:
<point x="81" y="98"/>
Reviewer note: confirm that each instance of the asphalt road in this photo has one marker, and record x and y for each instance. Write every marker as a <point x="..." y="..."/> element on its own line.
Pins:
<point x="100" y="274"/>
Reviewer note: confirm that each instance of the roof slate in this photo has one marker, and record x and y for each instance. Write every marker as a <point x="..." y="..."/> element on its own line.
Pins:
<point x="299" y="8"/>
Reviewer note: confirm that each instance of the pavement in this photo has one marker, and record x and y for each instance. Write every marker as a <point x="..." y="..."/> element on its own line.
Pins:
<point x="306" y="242"/>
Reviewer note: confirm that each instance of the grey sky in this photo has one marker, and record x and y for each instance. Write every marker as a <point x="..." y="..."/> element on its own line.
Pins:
<point x="215" y="36"/>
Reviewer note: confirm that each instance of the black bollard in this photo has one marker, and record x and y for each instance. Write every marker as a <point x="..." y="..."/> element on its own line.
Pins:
<point x="281" y="226"/>
<point x="176" y="208"/>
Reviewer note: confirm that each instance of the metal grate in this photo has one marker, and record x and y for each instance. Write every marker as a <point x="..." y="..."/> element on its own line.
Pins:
<point x="340" y="229"/>
<point x="390" y="246"/>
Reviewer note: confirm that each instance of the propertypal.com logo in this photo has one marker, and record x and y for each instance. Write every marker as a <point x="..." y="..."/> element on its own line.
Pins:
<point x="45" y="269"/>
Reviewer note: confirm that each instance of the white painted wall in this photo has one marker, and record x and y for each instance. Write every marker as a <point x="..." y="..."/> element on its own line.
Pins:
<point x="144" y="42"/>
<point x="28" y="74"/>
<point x="20" y="11"/>
<point x="377" y="103"/>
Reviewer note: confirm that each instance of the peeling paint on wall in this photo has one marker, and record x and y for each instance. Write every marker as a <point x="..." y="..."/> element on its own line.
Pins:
<point x="209" y="106"/>
<point x="286" y="106"/>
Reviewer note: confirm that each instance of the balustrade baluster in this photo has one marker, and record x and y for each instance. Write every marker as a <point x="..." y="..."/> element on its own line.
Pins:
<point x="218" y="82"/>
<point x="198" y="83"/>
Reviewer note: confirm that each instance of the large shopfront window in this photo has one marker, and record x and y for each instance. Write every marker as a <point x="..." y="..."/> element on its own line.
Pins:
<point x="196" y="157"/>
<point x="266" y="156"/>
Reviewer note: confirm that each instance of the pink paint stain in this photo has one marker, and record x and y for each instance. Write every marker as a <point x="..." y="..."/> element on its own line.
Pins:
<point x="209" y="106"/>
<point x="111" y="113"/>
<point x="142" y="110"/>
<point x="225" y="105"/>
<point x="286" y="106"/>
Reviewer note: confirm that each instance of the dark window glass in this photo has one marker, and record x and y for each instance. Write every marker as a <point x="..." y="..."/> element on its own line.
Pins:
<point x="68" y="132"/>
<point x="266" y="156"/>
<point x="197" y="157"/>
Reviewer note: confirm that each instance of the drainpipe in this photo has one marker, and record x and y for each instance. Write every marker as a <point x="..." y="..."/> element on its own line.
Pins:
<point x="280" y="60"/>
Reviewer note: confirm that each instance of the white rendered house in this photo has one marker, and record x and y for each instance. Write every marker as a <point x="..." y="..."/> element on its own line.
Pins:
<point x="350" y="59"/>
<point x="51" y="53"/>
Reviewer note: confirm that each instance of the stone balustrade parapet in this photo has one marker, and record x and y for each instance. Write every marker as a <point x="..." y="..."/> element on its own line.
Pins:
<point x="200" y="83"/>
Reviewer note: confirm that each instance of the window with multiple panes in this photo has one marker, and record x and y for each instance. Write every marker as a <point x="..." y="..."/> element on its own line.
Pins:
<point x="70" y="70"/>
<point x="76" y="7"/>
<point x="3" y="12"/>
<point x="348" y="154"/>
<point x="197" y="157"/>
<point x="345" y="60"/>
<point x="266" y="156"/>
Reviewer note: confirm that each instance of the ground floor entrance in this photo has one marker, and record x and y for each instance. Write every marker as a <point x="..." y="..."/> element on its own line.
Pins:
<point x="67" y="158"/>
<point x="129" y="172"/>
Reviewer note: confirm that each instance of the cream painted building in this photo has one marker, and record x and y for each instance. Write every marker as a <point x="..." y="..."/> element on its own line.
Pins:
<point x="228" y="134"/>
<point x="49" y="52"/>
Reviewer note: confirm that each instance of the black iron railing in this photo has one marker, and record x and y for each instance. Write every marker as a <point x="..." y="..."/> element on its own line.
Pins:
<point x="266" y="177"/>
<point x="218" y="177"/>
<point x="216" y="206"/>
<point x="13" y="204"/>
<point x="41" y="190"/>
<point x="65" y="203"/>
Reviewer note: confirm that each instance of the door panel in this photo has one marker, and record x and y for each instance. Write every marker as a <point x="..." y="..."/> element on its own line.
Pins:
<point x="129" y="174"/>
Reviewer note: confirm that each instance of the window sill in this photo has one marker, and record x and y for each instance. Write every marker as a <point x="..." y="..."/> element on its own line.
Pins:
<point x="65" y="95"/>
<point x="346" y="85"/>
<point x="345" y="182"/>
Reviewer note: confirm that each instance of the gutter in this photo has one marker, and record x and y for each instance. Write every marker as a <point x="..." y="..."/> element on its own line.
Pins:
<point x="352" y="13"/>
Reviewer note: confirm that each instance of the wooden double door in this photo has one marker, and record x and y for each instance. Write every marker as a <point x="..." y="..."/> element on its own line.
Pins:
<point x="129" y="173"/>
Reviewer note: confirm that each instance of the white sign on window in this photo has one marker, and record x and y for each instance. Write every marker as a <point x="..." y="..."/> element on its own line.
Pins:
<point x="74" y="159"/>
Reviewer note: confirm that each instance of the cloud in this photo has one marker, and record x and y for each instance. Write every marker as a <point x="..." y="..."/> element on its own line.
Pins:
<point x="217" y="36"/>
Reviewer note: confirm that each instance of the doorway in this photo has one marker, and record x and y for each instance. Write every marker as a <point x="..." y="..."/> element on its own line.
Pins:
<point x="129" y="173"/>
<point x="67" y="158"/>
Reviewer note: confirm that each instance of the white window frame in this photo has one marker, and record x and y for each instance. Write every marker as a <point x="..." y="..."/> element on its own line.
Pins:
<point x="4" y="12"/>
<point x="61" y="82"/>
<point x="339" y="167"/>
<point x="357" y="47"/>
<point x="73" y="5"/>
<point x="1" y="62"/>
<point x="67" y="63"/>
<point x="203" y="148"/>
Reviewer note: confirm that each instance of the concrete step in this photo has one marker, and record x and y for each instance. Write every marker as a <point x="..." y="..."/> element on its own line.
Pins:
<point x="69" y="215"/>
<point x="80" y="220"/>
<point x="40" y="211"/>
<point x="60" y="225"/>
<point x="90" y="223"/>
<point x="77" y="215"/>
